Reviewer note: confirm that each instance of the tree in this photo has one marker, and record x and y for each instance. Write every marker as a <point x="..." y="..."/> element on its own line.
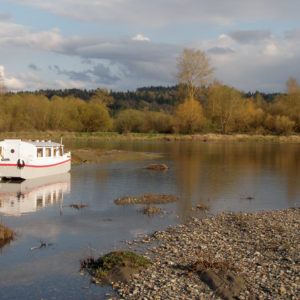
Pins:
<point x="3" y="89"/>
<point x="194" y="71"/>
<point x="102" y="96"/>
<point x="288" y="104"/>
<point x="223" y="105"/>
<point x="129" y="120"/>
<point x="189" y="116"/>
<point x="95" y="117"/>
<point x="292" y="86"/>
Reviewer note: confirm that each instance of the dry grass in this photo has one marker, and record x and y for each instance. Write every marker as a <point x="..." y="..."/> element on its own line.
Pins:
<point x="208" y="263"/>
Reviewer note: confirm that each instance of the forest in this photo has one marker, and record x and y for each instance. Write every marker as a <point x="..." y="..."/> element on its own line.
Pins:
<point x="196" y="104"/>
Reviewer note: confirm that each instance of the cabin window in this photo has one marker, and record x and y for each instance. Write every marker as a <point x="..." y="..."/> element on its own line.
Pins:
<point x="54" y="152"/>
<point x="48" y="152"/>
<point x="12" y="150"/>
<point x="39" y="152"/>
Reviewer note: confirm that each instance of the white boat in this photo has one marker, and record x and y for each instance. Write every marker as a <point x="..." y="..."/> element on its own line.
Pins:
<point x="32" y="159"/>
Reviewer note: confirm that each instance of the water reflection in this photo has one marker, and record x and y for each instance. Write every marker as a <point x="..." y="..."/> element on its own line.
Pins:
<point x="211" y="173"/>
<point x="18" y="198"/>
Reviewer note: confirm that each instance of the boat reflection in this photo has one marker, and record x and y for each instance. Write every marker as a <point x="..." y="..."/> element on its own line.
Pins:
<point x="17" y="198"/>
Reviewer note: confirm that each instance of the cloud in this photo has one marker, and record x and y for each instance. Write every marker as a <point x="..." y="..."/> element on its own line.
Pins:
<point x="99" y="74"/>
<point x="33" y="67"/>
<point x="22" y="81"/>
<point x="219" y="50"/>
<point x="5" y="17"/>
<point x="140" y="37"/>
<point x="158" y="13"/>
<point x="250" y="36"/>
<point x="249" y="60"/>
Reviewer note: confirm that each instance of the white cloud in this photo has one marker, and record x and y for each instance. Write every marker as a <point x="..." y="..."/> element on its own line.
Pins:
<point x="140" y="37"/>
<point x="22" y="81"/>
<point x="271" y="50"/>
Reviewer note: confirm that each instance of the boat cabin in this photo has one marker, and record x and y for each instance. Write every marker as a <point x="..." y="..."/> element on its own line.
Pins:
<point x="14" y="149"/>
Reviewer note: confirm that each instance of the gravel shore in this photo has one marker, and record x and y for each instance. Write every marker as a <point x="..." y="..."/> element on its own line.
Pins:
<point x="229" y="256"/>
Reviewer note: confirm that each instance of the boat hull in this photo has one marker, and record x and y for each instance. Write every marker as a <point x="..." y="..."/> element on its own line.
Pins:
<point x="32" y="170"/>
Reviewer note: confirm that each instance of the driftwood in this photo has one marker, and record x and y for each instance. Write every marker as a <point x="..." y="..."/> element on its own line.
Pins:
<point x="42" y="245"/>
<point x="78" y="206"/>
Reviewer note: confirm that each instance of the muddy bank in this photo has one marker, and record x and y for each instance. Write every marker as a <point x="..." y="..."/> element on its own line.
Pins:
<point x="230" y="256"/>
<point x="6" y="235"/>
<point x="89" y="156"/>
<point x="148" y="198"/>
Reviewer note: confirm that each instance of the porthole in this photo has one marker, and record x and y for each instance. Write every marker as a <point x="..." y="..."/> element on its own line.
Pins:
<point x="12" y="151"/>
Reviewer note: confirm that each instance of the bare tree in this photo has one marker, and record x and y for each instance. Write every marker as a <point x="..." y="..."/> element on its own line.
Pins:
<point x="292" y="85"/>
<point x="194" y="71"/>
<point x="3" y="89"/>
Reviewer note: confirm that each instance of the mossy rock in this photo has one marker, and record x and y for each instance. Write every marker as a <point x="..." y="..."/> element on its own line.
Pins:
<point x="115" y="266"/>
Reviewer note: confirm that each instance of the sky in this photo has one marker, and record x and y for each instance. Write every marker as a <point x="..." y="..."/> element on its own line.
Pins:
<point x="122" y="45"/>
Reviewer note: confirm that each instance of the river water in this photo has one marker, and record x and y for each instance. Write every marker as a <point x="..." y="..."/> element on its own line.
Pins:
<point x="223" y="176"/>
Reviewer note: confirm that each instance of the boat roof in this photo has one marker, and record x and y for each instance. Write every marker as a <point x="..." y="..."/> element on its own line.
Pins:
<point x="44" y="143"/>
<point x="37" y="143"/>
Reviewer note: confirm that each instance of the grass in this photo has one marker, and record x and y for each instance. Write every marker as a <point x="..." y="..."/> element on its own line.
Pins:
<point x="105" y="267"/>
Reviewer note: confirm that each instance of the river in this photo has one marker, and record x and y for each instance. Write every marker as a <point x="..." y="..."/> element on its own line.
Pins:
<point x="245" y="177"/>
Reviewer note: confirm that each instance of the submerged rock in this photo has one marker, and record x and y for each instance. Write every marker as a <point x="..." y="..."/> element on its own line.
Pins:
<point x="147" y="198"/>
<point x="157" y="167"/>
<point x="150" y="210"/>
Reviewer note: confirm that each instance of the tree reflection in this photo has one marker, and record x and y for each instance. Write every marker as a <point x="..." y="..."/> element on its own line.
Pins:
<point x="210" y="171"/>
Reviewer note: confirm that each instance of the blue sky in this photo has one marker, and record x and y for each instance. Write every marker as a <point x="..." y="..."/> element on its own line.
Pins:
<point x="126" y="44"/>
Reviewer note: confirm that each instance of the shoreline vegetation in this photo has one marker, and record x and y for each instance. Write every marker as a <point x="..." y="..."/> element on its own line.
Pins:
<point x="119" y="137"/>
<point x="246" y="255"/>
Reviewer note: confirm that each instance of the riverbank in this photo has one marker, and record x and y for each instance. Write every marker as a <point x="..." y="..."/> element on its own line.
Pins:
<point x="249" y="256"/>
<point x="113" y="136"/>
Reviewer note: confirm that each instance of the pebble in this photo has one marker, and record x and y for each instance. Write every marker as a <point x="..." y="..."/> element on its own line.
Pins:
<point x="262" y="250"/>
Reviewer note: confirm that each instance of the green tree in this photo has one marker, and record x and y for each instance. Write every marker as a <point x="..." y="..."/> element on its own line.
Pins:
<point x="129" y="120"/>
<point x="102" y="96"/>
<point x="95" y="117"/>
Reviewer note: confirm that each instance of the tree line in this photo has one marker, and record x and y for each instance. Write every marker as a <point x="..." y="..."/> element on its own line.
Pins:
<point x="199" y="103"/>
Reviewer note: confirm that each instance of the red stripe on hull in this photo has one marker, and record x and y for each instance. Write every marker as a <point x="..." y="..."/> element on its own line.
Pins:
<point x="33" y="166"/>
